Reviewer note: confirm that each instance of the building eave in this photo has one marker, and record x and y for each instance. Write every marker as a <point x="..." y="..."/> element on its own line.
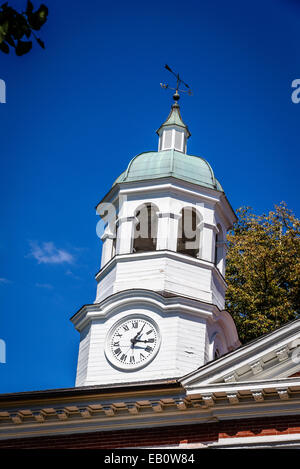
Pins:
<point x="87" y="391"/>
<point x="157" y="404"/>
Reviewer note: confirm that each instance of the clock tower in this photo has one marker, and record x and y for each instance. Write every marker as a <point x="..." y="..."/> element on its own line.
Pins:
<point x="159" y="308"/>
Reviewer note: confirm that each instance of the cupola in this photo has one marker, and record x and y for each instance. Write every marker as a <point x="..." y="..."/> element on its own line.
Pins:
<point x="173" y="133"/>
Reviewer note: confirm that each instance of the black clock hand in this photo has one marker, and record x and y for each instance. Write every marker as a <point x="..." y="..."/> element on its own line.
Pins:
<point x="133" y="341"/>
<point x="138" y="340"/>
<point x="139" y="333"/>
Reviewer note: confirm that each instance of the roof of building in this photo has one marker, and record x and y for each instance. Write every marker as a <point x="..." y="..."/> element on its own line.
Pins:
<point x="104" y="389"/>
<point x="174" y="118"/>
<point x="160" y="164"/>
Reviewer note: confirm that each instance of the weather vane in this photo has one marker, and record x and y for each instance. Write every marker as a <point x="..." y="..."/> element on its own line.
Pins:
<point x="176" y="95"/>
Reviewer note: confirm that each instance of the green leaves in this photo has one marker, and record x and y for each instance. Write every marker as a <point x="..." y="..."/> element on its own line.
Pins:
<point x="29" y="8"/>
<point x="16" y="27"/>
<point x="4" y="47"/>
<point x="23" y="47"/>
<point x="41" y="43"/>
<point x="37" y="19"/>
<point x="3" y="31"/>
<point x="263" y="271"/>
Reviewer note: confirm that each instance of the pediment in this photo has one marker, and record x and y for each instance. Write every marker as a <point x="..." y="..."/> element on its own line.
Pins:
<point x="274" y="356"/>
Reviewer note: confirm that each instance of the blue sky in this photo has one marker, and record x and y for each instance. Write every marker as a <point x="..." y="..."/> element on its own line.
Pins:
<point x="76" y="114"/>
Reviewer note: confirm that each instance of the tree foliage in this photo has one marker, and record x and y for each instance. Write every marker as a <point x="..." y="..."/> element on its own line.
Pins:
<point x="263" y="271"/>
<point x="16" y="28"/>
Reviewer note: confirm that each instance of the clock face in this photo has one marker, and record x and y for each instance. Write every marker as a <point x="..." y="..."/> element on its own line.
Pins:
<point x="132" y="342"/>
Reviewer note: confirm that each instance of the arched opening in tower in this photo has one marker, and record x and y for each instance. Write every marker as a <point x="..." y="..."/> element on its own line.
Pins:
<point x="145" y="229"/>
<point x="188" y="241"/>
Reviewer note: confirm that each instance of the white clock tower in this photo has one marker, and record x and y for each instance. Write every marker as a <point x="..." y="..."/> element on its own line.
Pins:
<point x="159" y="309"/>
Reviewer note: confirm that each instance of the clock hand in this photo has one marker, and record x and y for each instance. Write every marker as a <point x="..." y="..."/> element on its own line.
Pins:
<point x="133" y="341"/>
<point x="139" y="340"/>
<point x="139" y="333"/>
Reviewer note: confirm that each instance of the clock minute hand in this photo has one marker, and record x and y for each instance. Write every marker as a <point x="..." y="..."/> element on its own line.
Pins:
<point x="139" y="333"/>
<point x="134" y="340"/>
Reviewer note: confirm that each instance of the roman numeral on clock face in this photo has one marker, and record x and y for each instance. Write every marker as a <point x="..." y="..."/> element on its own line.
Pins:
<point x="117" y="351"/>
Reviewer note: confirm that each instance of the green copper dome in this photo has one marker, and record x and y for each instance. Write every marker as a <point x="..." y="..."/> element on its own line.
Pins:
<point x="154" y="165"/>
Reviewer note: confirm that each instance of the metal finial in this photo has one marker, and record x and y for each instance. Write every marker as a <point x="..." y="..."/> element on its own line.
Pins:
<point x="176" y="95"/>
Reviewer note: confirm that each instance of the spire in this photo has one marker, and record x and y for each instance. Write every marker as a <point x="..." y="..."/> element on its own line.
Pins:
<point x="173" y="133"/>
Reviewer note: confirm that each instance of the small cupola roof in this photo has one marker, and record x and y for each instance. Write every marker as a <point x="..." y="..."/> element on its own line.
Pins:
<point x="173" y="133"/>
<point x="174" y="118"/>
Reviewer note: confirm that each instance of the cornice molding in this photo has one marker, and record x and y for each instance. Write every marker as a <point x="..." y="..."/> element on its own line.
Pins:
<point x="160" y="254"/>
<point x="170" y="304"/>
<point x="172" y="186"/>
<point x="165" y="407"/>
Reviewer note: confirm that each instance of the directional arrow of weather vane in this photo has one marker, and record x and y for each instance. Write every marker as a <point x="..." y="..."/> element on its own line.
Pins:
<point x="179" y="82"/>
